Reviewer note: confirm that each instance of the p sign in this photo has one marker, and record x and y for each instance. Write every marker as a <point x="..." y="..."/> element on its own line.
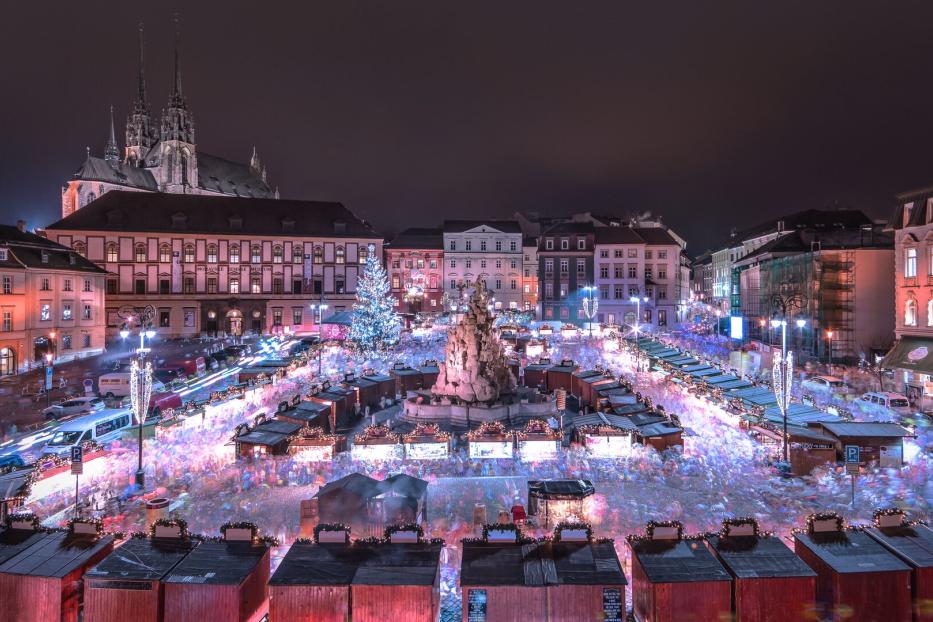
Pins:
<point x="77" y="460"/>
<point x="853" y="454"/>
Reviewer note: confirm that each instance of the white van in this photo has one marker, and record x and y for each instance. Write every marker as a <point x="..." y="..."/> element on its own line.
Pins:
<point x="101" y="427"/>
<point x="117" y="384"/>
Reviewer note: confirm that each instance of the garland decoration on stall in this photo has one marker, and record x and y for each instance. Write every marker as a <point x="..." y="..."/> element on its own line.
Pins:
<point x="391" y="529"/>
<point x="329" y="527"/>
<point x="487" y="429"/>
<point x="537" y="427"/>
<point x="572" y="526"/>
<point x="376" y="432"/>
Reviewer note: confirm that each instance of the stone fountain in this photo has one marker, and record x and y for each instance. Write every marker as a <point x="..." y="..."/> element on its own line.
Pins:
<point x="475" y="383"/>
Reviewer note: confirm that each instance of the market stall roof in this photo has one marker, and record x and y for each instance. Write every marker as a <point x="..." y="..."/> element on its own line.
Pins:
<point x="661" y="354"/>
<point x="367" y="487"/>
<point x="661" y="428"/>
<point x="683" y="361"/>
<point x="709" y="371"/>
<point x="340" y="318"/>
<point x="697" y="367"/>
<point x="733" y="385"/>
<point x="911" y="543"/>
<point x="540" y="564"/>
<point x="911" y="353"/>
<point x="56" y="555"/>
<point x="565" y="366"/>
<point x="219" y="563"/>
<point x="539" y="365"/>
<point x="629" y="409"/>
<point x="799" y="414"/>
<point x="359" y="564"/>
<point x="751" y="391"/>
<point x="15" y="541"/>
<point x="15" y="484"/>
<point x="308" y="412"/>
<point x="719" y="379"/>
<point x="751" y="557"/>
<point x="378" y="377"/>
<point x="865" y="429"/>
<point x="144" y="559"/>
<point x="678" y="561"/>
<point x="560" y="489"/>
<point x="586" y="373"/>
<point x="851" y="551"/>
<point x="405" y="371"/>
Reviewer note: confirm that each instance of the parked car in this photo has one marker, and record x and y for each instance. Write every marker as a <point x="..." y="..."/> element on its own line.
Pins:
<point x="168" y="376"/>
<point x="158" y="402"/>
<point x="12" y="460"/>
<point x="102" y="426"/>
<point x="886" y="401"/>
<point x="826" y="384"/>
<point x="117" y="384"/>
<point x="194" y="366"/>
<point x="74" y="406"/>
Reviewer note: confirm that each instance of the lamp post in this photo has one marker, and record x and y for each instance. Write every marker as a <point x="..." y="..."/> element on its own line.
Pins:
<point x="46" y="382"/>
<point x="590" y="305"/>
<point x="800" y="324"/>
<point x="319" y="308"/>
<point x="783" y="376"/>
<point x="829" y="336"/>
<point x="141" y="388"/>
<point x="635" y="328"/>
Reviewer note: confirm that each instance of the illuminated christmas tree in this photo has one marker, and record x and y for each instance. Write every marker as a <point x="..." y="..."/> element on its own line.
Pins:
<point x="376" y="325"/>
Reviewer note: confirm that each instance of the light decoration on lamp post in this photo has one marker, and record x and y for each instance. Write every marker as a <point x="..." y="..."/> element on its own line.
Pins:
<point x="783" y="377"/>
<point x="590" y="305"/>
<point x="141" y="381"/>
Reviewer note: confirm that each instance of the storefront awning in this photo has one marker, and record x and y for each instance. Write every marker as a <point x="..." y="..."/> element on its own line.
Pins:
<point x="911" y="353"/>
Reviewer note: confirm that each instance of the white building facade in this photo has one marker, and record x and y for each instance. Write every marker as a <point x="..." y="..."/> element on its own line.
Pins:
<point x="490" y="251"/>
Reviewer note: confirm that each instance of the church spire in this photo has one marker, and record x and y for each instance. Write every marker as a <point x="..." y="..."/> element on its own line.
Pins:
<point x="177" y="123"/>
<point x="141" y="132"/>
<point x="111" y="153"/>
<point x="141" y="95"/>
<point x="177" y="99"/>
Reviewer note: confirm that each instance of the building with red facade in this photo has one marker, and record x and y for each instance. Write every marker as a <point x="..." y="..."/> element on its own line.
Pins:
<point x="415" y="261"/>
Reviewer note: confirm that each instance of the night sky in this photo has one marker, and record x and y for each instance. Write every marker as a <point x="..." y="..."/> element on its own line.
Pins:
<point x="712" y="114"/>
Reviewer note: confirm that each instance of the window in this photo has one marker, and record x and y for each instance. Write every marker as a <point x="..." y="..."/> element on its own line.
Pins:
<point x="581" y="244"/>
<point x="604" y="254"/>
<point x="66" y="311"/>
<point x="317" y="286"/>
<point x="619" y="292"/>
<point x="581" y="268"/>
<point x="564" y="313"/>
<point x="66" y="342"/>
<point x="482" y="263"/>
<point x="80" y="248"/>
<point x="45" y="285"/>
<point x="45" y="257"/>
<point x="526" y="288"/>
<point x="234" y="285"/>
<point x="187" y="285"/>
<point x="85" y="340"/>
<point x="548" y="290"/>
<point x="513" y="246"/>
<point x="549" y="313"/>
<point x="499" y="264"/>
<point x="164" y="286"/>
<point x="45" y="311"/>
<point x="111" y="252"/>
<point x="662" y="255"/>
<point x="453" y="283"/>
<point x="564" y="244"/>
<point x="339" y="285"/>
<point x="910" y="312"/>
<point x="296" y="286"/>
<point x="498" y="283"/>
<point x="139" y="286"/>
<point x="648" y="315"/>
<point x="910" y="263"/>
<point x="632" y="253"/>
<point x="276" y="317"/>
<point x="3" y="257"/>
<point x="296" y="315"/>
<point x="618" y="271"/>
<point x="165" y="318"/>
<point x="140" y="253"/>
<point x="514" y="284"/>
<point x="211" y="253"/>
<point x="632" y="291"/>
<point x="527" y="273"/>
<point x="255" y="285"/>
<point x="930" y="312"/>
<point x="7" y="321"/>
<point x="7" y="284"/>
<point x="235" y="252"/>
<point x="396" y="284"/>
<point x="278" y="255"/>
<point x="648" y="272"/>
<point x="469" y="263"/>
<point x="514" y="264"/>
<point x="549" y="244"/>
<point x="662" y="293"/>
<point x="548" y="266"/>
<point x="662" y="317"/>
<point x="662" y="272"/>
<point x="409" y="265"/>
<point x="165" y="253"/>
<point x="453" y="245"/>
<point x="211" y="285"/>
<point x="453" y="263"/>
<point x="255" y="254"/>
<point x="433" y="264"/>
<point x="66" y="285"/>
<point x="498" y="245"/>
<point x="86" y="312"/>
<point x="364" y="251"/>
<point x="647" y="254"/>
<point x="188" y="255"/>
<point x="469" y="245"/>
<point x="564" y="266"/>
<point x="278" y="285"/>
<point x="297" y="253"/>
<point x="340" y="256"/>
<point x="87" y="285"/>
<point x="618" y="253"/>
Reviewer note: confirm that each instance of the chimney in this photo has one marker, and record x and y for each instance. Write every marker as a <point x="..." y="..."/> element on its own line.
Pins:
<point x="21" y="225"/>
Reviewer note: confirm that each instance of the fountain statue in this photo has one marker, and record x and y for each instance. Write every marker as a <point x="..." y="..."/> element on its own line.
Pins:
<point x="474" y="369"/>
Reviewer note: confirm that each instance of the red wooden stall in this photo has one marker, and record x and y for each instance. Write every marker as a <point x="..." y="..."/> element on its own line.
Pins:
<point x="397" y="580"/>
<point x="771" y="584"/>
<point x="366" y="391"/>
<point x="677" y="579"/>
<point x="430" y="370"/>
<point x="535" y="375"/>
<point x="912" y="542"/>
<point x="580" y="376"/>
<point x="221" y="581"/>
<point x="385" y="382"/>
<point x="856" y="576"/>
<point x="406" y="378"/>
<point x="560" y="376"/>
<point x="128" y="584"/>
<point x="42" y="582"/>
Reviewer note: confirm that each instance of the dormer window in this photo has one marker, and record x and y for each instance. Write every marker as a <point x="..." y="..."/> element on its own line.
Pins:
<point x="45" y="257"/>
<point x="4" y="254"/>
<point x="179" y="220"/>
<point x="288" y="225"/>
<point x="71" y="258"/>
<point x="340" y="227"/>
<point x="236" y="222"/>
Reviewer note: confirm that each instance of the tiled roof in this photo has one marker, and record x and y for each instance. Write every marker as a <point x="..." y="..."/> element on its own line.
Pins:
<point x="98" y="169"/>
<point x="26" y="251"/>
<point x="233" y="178"/>
<point x="459" y="226"/>
<point x="162" y="212"/>
<point x="427" y="238"/>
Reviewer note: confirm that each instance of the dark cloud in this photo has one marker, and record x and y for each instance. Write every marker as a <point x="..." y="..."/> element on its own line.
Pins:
<point x="713" y="114"/>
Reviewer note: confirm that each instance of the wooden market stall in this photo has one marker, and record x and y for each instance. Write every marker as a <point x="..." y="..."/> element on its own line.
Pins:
<point x="535" y="374"/>
<point x="377" y="442"/>
<point x="369" y="505"/>
<point x="221" y="581"/>
<point x="365" y="582"/>
<point x="855" y="574"/>
<point x="366" y="391"/>
<point x="677" y="579"/>
<point x="341" y="407"/>
<point x="560" y="376"/>
<point x="555" y="500"/>
<point x="268" y="436"/>
<point x="879" y="442"/>
<point x="406" y="378"/>
<point x="41" y="582"/>
<point x="579" y="377"/>
<point x="538" y="441"/>
<point x="430" y="370"/>
<point x="129" y="583"/>
<point x="426" y="442"/>
<point x="307" y="413"/>
<point x="505" y="577"/>
<point x="771" y="584"/>
<point x="912" y="543"/>
<point x="316" y="445"/>
<point x="385" y="382"/>
<point x="490" y="440"/>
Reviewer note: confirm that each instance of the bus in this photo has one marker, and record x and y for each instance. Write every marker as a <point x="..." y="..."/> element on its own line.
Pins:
<point x="101" y="427"/>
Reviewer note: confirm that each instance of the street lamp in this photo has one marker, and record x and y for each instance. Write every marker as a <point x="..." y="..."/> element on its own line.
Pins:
<point x="829" y="336"/>
<point x="141" y="385"/>
<point x="48" y="375"/>
<point x="590" y="305"/>
<point x="783" y="376"/>
<point x="320" y="313"/>
<point x="635" y="328"/>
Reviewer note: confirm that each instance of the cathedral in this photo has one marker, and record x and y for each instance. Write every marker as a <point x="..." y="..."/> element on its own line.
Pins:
<point x="162" y="157"/>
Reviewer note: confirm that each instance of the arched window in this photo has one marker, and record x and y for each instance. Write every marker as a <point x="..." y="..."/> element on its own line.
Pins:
<point x="910" y="263"/>
<point x="318" y="254"/>
<point x="910" y="312"/>
<point x="112" y="251"/>
<point x="297" y="253"/>
<point x="930" y="312"/>
<point x="278" y="254"/>
<point x="364" y="250"/>
<point x="211" y="253"/>
<point x="165" y="253"/>
<point x="184" y="167"/>
<point x="189" y="253"/>
<point x="140" y="253"/>
<point x="235" y="252"/>
<point x="80" y="248"/>
<point x="341" y="255"/>
<point x="255" y="253"/>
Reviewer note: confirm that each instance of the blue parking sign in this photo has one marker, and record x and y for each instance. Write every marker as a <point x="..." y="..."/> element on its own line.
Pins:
<point x="48" y="377"/>
<point x="853" y="454"/>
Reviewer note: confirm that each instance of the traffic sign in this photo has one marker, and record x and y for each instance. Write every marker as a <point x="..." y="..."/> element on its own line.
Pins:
<point x="853" y="454"/>
<point x="77" y="460"/>
<point x="852" y="469"/>
<point x="48" y="377"/>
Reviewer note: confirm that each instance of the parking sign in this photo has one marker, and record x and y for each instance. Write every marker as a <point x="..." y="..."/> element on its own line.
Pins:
<point x="853" y="454"/>
<point x="77" y="460"/>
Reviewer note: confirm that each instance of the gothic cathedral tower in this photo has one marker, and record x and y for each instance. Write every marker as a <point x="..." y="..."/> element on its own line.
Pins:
<point x="178" y="170"/>
<point x="141" y="133"/>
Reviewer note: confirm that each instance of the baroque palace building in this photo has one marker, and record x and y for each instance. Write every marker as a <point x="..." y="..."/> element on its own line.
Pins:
<point x="162" y="156"/>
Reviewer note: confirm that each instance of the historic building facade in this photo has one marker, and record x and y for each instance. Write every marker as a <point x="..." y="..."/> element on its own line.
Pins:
<point x="530" y="275"/>
<point x="565" y="266"/>
<point x="51" y="302"/>
<point x="221" y="264"/>
<point x="162" y="156"/>
<point x="415" y="263"/>
<point x="488" y="250"/>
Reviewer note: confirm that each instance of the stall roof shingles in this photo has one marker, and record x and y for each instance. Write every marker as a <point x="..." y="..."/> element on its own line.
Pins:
<point x="218" y="563"/>
<point x="851" y="551"/>
<point x="678" y="561"/>
<point x="913" y="544"/>
<point x="749" y="557"/>
<point x="359" y="564"/>
<point x="143" y="559"/>
<point x="15" y="541"/>
<point x="56" y="555"/>
<point x="540" y="564"/>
